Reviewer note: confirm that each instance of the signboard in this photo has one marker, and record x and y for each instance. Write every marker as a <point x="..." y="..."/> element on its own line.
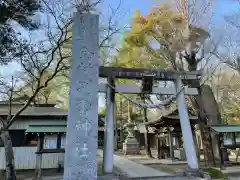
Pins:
<point x="228" y="142"/>
<point x="237" y="135"/>
<point x="63" y="141"/>
<point x="50" y="142"/>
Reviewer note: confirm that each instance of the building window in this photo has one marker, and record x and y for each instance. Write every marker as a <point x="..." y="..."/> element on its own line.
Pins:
<point x="50" y="142"/>
<point x="17" y="137"/>
<point x="228" y="138"/>
<point x="31" y="139"/>
<point x="63" y="141"/>
<point x="237" y="135"/>
<point x="1" y="143"/>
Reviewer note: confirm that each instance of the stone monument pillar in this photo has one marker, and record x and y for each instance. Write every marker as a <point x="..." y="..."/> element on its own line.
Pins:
<point x="131" y="145"/>
<point x="82" y="125"/>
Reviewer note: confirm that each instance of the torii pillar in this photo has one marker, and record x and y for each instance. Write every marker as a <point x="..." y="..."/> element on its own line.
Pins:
<point x="109" y="128"/>
<point x="186" y="127"/>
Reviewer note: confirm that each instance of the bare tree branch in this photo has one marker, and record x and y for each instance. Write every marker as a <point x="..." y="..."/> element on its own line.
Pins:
<point x="48" y="55"/>
<point x="10" y="100"/>
<point x="3" y="123"/>
<point x="38" y="59"/>
<point x="233" y="20"/>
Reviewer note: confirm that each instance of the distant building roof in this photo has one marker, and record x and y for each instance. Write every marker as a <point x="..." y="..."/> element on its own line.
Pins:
<point x="226" y="128"/>
<point x="18" y="100"/>
<point x="46" y="128"/>
<point x="171" y="116"/>
<point x="33" y="110"/>
<point x="141" y="128"/>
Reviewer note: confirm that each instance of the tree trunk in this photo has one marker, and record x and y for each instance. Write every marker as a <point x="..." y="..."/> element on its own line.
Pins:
<point x="121" y="117"/>
<point x="146" y="139"/>
<point x="198" y="104"/>
<point x="206" y="135"/>
<point x="158" y="146"/>
<point x="213" y="115"/>
<point x="209" y="113"/>
<point x="195" y="142"/>
<point x="9" y="156"/>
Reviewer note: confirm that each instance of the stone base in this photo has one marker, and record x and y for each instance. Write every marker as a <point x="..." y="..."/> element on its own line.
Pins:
<point x="227" y="163"/>
<point x="131" y="146"/>
<point x="180" y="154"/>
<point x="198" y="174"/>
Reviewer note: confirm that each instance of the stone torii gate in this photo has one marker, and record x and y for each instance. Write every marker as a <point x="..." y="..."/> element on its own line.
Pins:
<point x="161" y="75"/>
<point x="82" y="125"/>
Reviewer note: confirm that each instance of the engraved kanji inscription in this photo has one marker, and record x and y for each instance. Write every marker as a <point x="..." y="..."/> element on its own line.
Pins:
<point x="81" y="107"/>
<point x="83" y="126"/>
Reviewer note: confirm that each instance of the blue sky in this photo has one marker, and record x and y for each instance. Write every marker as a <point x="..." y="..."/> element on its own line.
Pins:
<point x="223" y="7"/>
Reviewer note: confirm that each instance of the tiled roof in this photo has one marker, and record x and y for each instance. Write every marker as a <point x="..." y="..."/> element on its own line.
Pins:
<point x="33" y="111"/>
<point x="172" y="113"/>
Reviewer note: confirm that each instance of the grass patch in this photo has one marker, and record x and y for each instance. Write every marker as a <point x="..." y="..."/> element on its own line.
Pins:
<point x="168" y="169"/>
<point x="165" y="168"/>
<point x="215" y="174"/>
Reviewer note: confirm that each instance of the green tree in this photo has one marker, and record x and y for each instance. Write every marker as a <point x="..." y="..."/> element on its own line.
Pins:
<point x="168" y="35"/>
<point x="47" y="95"/>
<point x="129" y="56"/>
<point x="226" y="86"/>
<point x="21" y="12"/>
<point x="39" y="64"/>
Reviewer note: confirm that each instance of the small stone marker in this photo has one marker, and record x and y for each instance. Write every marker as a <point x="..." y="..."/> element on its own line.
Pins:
<point x="82" y="126"/>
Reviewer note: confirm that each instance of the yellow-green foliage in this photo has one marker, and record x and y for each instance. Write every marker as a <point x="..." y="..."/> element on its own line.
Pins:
<point x="167" y="28"/>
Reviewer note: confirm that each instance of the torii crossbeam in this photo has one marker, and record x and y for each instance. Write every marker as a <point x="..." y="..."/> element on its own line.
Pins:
<point x="138" y="73"/>
<point x="112" y="73"/>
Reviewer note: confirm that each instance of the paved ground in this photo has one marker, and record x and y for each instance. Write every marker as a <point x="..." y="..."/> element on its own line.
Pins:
<point x="142" y="168"/>
<point x="135" y="170"/>
<point x="124" y="178"/>
<point x="53" y="178"/>
<point x="233" y="178"/>
<point x="107" y="177"/>
<point x="154" y="153"/>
